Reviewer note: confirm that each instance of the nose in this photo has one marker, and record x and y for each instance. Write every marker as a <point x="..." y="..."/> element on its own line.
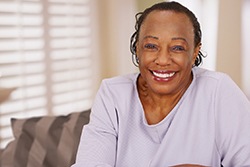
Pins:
<point x="163" y="58"/>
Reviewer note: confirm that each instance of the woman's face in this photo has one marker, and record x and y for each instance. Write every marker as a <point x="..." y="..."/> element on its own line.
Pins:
<point x="166" y="52"/>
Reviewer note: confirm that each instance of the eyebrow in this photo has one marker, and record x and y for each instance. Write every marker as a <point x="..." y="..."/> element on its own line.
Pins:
<point x="150" y="36"/>
<point x="174" y="38"/>
<point x="179" y="38"/>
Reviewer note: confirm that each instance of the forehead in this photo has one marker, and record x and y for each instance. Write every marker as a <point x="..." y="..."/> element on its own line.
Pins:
<point x="163" y="22"/>
<point x="167" y="16"/>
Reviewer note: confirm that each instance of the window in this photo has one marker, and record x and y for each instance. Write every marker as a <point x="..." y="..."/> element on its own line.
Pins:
<point x="46" y="55"/>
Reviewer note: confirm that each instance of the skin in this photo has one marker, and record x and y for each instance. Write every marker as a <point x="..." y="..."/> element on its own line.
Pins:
<point x="166" y="47"/>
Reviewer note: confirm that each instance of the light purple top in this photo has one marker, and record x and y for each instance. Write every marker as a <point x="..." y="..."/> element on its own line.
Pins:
<point x="209" y="126"/>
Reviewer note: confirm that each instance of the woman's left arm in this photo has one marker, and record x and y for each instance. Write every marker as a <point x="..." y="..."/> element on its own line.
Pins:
<point x="232" y="114"/>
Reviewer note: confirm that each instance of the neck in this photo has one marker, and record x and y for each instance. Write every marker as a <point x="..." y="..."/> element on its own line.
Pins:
<point x="156" y="106"/>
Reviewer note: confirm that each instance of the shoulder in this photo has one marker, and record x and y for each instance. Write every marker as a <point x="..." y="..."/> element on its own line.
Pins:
<point x="121" y="80"/>
<point x="217" y="83"/>
<point x="119" y="84"/>
<point x="222" y="87"/>
<point x="201" y="73"/>
<point x="212" y="78"/>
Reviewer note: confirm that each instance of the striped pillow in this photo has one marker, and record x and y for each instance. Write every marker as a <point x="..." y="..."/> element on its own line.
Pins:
<point x="48" y="141"/>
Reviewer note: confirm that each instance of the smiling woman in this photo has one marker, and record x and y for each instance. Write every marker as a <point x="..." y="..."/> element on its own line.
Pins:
<point x="171" y="113"/>
<point x="173" y="52"/>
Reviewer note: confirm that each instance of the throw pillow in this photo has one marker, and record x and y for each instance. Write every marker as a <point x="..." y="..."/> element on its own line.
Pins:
<point x="47" y="141"/>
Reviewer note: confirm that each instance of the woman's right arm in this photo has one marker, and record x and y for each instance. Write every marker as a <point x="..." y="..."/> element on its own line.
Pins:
<point x="98" y="141"/>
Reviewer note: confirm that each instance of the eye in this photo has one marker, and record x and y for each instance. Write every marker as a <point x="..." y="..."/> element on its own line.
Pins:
<point x="150" y="46"/>
<point x="178" y="48"/>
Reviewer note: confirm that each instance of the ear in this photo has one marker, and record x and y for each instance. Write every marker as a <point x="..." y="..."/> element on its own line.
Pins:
<point x="136" y="48"/>
<point x="196" y="52"/>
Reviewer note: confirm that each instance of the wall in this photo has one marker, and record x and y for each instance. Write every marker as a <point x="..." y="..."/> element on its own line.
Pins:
<point x="229" y="44"/>
<point x="116" y="21"/>
<point x="143" y="4"/>
<point x="246" y="44"/>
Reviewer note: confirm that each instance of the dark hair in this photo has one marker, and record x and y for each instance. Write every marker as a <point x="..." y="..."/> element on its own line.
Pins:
<point x="171" y="6"/>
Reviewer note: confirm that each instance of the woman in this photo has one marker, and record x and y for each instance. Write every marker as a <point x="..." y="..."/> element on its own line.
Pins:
<point x="172" y="113"/>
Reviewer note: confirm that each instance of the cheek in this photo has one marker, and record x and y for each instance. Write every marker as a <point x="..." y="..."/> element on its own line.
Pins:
<point x="145" y="58"/>
<point x="143" y="63"/>
<point x="183" y="60"/>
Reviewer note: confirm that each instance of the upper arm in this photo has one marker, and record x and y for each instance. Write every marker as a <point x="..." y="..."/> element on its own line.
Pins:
<point x="232" y="124"/>
<point x="98" y="141"/>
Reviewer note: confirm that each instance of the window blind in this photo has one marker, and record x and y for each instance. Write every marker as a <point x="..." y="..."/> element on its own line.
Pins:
<point x="45" y="53"/>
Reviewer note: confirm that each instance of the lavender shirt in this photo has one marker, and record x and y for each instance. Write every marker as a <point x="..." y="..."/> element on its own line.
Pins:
<point x="209" y="126"/>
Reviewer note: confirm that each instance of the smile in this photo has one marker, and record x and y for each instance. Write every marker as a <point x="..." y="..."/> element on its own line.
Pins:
<point x="163" y="74"/>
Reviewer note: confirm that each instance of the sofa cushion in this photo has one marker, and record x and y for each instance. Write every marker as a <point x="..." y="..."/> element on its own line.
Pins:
<point x="48" y="141"/>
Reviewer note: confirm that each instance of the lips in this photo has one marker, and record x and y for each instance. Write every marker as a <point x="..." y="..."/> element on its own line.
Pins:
<point x="163" y="74"/>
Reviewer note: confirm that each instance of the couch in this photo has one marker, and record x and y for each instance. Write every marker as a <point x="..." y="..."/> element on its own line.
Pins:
<point x="46" y="141"/>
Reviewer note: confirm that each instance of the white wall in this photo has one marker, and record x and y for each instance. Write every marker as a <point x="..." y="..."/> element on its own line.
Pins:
<point x="116" y="25"/>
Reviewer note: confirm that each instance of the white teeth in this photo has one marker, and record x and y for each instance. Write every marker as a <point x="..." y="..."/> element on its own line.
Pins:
<point x="163" y="75"/>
